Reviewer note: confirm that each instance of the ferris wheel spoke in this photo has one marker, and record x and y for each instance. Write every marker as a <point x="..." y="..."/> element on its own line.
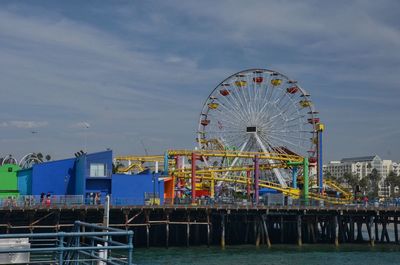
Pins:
<point x="239" y="101"/>
<point x="286" y="135"/>
<point x="231" y="111"/>
<point x="235" y="132"/>
<point x="281" y="114"/>
<point x="220" y="115"/>
<point x="272" y="98"/>
<point x="235" y="109"/>
<point x="286" y="141"/>
<point x="226" y="124"/>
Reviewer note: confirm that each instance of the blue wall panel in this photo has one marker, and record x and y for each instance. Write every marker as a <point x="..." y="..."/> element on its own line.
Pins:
<point x="24" y="178"/>
<point x="80" y="176"/>
<point x="53" y="177"/>
<point x="133" y="187"/>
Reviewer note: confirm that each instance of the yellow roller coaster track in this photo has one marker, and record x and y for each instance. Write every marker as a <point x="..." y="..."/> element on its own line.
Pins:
<point x="238" y="154"/>
<point x="211" y="173"/>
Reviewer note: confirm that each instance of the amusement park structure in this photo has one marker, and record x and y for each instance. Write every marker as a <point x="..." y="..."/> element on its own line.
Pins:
<point x="258" y="129"/>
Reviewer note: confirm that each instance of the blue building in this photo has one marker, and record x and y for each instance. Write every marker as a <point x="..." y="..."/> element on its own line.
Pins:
<point x="93" y="174"/>
<point x="132" y="189"/>
<point x="86" y="175"/>
<point x="55" y="177"/>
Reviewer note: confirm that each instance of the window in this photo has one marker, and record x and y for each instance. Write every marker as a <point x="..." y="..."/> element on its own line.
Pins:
<point x="97" y="170"/>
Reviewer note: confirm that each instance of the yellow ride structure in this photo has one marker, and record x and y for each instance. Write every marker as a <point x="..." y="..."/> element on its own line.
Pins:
<point x="199" y="176"/>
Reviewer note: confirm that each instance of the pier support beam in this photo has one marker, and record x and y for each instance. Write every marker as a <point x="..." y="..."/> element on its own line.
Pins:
<point x="370" y="232"/>
<point x="257" y="234"/>
<point x="147" y="230"/>
<point x="188" y="230"/>
<point x="208" y="230"/>
<point x="351" y="235"/>
<point x="223" y="230"/>
<point x="396" y="231"/>
<point x="336" y="229"/>
<point x="376" y="228"/>
<point x="385" y="234"/>
<point x="299" y="237"/>
<point x="264" y="222"/>
<point x="359" y="231"/>
<point x="167" y="232"/>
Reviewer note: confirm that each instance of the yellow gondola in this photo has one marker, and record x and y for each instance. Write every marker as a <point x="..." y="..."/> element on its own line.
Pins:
<point x="241" y="83"/>
<point x="305" y="103"/>
<point x="276" y="82"/>
<point x="213" y="105"/>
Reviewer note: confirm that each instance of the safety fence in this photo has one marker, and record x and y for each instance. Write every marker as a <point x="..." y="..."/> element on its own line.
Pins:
<point x="85" y="244"/>
<point x="154" y="199"/>
<point x="39" y="200"/>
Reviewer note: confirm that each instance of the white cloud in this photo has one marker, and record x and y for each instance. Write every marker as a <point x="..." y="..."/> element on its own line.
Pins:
<point x="24" y="124"/>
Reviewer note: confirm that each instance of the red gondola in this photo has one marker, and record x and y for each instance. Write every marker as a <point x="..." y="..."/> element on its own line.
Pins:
<point x="313" y="120"/>
<point x="292" y="90"/>
<point x="205" y="122"/>
<point x="224" y="92"/>
<point x="312" y="160"/>
<point x="258" y="79"/>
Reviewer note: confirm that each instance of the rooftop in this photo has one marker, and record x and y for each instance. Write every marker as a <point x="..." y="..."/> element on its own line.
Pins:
<point x="359" y="159"/>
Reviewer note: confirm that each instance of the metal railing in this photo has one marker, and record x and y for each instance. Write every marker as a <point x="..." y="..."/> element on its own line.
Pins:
<point x="34" y="201"/>
<point x="86" y="244"/>
<point x="37" y="200"/>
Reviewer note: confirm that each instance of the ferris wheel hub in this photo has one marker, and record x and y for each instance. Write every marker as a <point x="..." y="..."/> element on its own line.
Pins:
<point x="251" y="129"/>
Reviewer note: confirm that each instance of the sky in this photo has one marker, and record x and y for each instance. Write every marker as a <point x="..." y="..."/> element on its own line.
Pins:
<point x="133" y="75"/>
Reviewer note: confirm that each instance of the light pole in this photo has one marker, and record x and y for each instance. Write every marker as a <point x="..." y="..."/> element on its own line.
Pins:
<point x="86" y="126"/>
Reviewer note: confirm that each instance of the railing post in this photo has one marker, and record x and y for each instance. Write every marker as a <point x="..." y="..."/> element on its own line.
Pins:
<point x="130" y="249"/>
<point x="61" y="248"/>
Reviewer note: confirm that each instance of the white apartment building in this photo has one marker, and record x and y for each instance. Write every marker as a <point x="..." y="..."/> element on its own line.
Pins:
<point x="362" y="166"/>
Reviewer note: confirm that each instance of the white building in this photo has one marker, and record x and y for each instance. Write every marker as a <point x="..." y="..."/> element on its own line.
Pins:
<point x="362" y="166"/>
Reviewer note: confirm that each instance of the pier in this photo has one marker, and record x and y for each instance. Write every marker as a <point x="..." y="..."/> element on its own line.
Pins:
<point x="224" y="225"/>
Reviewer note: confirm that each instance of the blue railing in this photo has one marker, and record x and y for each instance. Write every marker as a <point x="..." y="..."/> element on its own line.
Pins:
<point x="77" y="247"/>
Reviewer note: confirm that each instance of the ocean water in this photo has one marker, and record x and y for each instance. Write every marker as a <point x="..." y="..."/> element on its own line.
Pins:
<point x="276" y="255"/>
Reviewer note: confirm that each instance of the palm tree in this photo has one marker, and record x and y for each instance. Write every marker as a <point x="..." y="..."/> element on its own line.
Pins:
<point x="393" y="181"/>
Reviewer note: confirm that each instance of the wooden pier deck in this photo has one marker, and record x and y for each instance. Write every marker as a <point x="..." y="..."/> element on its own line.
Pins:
<point x="187" y="225"/>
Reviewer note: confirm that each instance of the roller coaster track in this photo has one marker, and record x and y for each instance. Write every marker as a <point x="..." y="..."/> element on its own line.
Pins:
<point x="219" y="173"/>
<point x="237" y="154"/>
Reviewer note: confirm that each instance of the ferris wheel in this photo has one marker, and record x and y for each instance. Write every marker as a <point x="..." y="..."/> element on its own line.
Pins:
<point x="259" y="110"/>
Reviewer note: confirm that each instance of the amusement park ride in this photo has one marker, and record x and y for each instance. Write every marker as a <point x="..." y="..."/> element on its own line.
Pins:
<point x="257" y="129"/>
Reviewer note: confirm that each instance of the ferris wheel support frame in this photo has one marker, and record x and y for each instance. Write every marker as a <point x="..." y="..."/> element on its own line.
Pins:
<point x="276" y="171"/>
<point x="305" y="164"/>
<point x="320" y="129"/>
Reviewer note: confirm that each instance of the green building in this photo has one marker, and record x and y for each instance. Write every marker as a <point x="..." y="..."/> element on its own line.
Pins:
<point x="8" y="180"/>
